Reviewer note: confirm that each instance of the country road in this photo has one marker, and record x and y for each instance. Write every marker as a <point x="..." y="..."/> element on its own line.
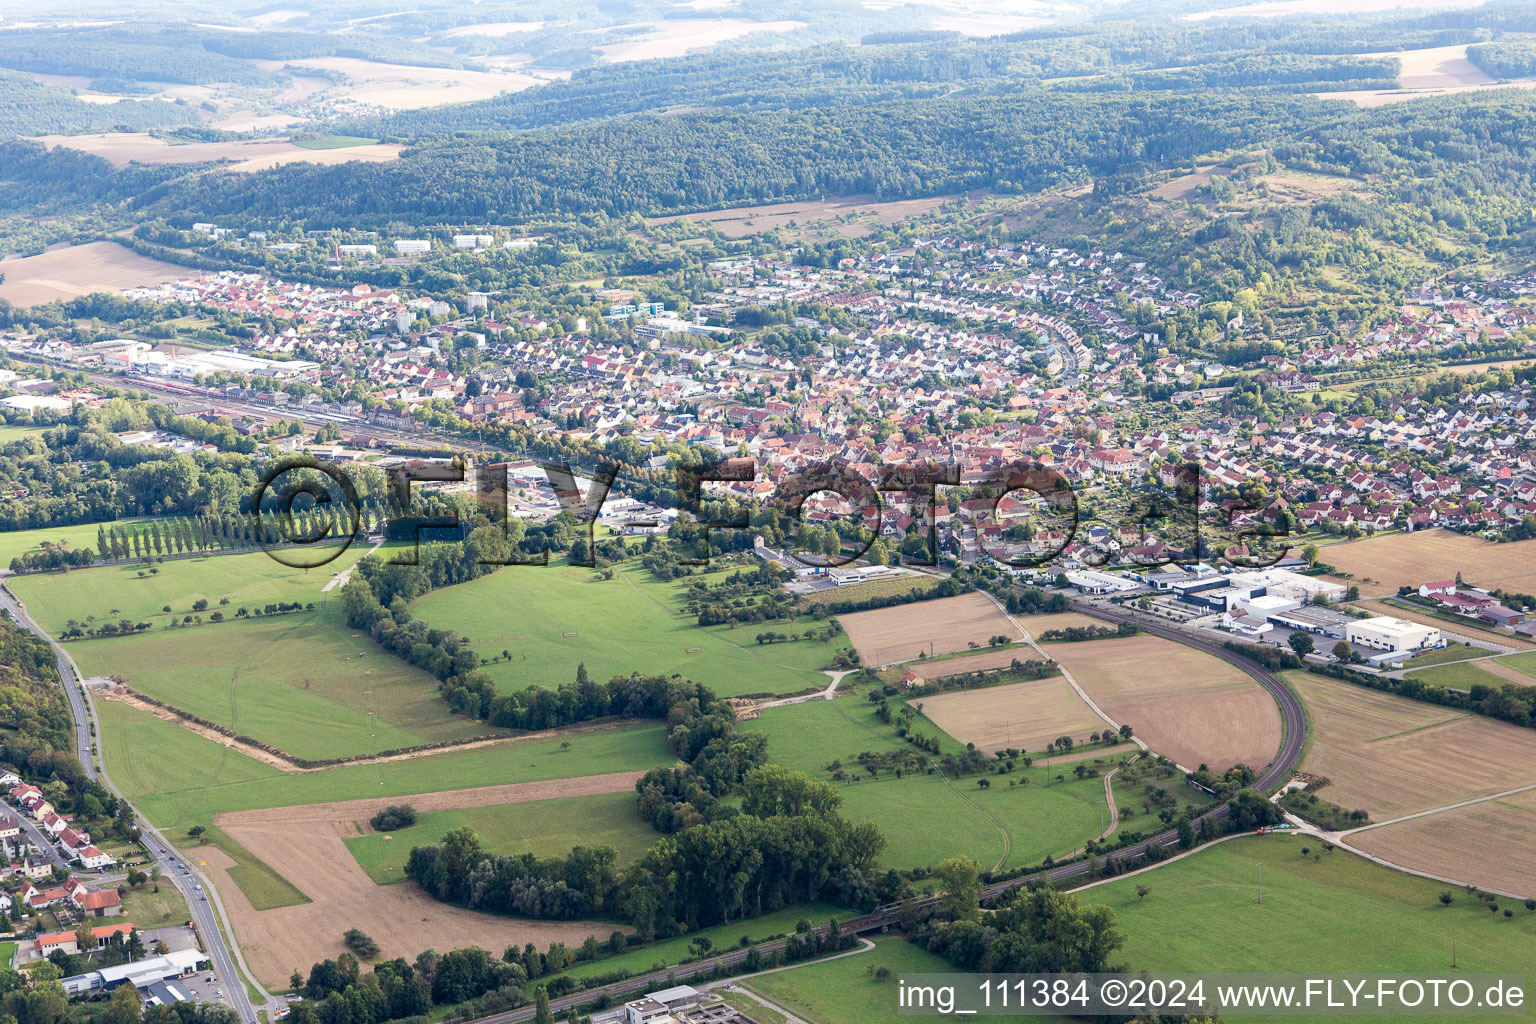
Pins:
<point x="178" y="870"/>
<point x="207" y="914"/>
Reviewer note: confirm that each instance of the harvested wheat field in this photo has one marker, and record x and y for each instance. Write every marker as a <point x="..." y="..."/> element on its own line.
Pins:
<point x="304" y="845"/>
<point x="1182" y="703"/>
<point x="1393" y="756"/>
<point x="1025" y="715"/>
<point x="942" y="668"/>
<point x="1491" y="844"/>
<point x="1411" y="559"/>
<point x="123" y="148"/>
<point x="886" y="636"/>
<point x="1036" y="625"/>
<point x="73" y="271"/>
<point x="409" y="87"/>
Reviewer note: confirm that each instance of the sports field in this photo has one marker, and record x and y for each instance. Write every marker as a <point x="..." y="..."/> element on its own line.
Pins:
<point x="253" y="580"/>
<point x="549" y="620"/>
<point x="1393" y="756"/>
<point x="302" y="683"/>
<point x="1186" y="705"/>
<point x="1328" y="912"/>
<point x="902" y="632"/>
<point x="1490" y="844"/>
<point x="1028" y="715"/>
<point x="545" y="828"/>
<point x="1382" y="564"/>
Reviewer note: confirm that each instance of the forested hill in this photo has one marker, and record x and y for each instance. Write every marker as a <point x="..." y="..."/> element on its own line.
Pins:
<point x="700" y="161"/>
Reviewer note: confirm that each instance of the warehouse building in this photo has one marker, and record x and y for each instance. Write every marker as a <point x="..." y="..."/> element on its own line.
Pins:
<point x="1388" y="634"/>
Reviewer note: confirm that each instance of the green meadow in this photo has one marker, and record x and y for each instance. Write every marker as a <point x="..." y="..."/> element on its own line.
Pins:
<point x="20" y="542"/>
<point x="544" y="828"/>
<point x="670" y="952"/>
<point x="1326" y="913"/>
<point x="550" y="619"/>
<point x="18" y="431"/>
<point x="178" y="779"/>
<point x="131" y="591"/>
<point x="1001" y="826"/>
<point x="845" y="990"/>
<point x="301" y="682"/>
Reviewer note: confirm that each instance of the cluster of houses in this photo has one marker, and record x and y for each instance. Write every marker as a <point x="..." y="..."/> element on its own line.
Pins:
<point x="1472" y="603"/>
<point x="74" y="844"/>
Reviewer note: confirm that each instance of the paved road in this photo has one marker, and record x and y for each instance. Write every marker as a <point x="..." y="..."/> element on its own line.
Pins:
<point x="174" y="867"/>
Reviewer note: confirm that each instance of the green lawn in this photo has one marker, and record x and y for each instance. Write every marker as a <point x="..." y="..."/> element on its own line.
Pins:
<point x="116" y="592"/>
<point x="1461" y="677"/>
<point x="545" y="828"/>
<point x="7" y="953"/>
<point x="335" y="142"/>
<point x="1453" y="652"/>
<point x="179" y="779"/>
<point x="1334" y="914"/>
<point x="1523" y="663"/>
<point x="550" y="619"/>
<point x="150" y="909"/>
<point x="17" y="431"/>
<point x="670" y="952"/>
<point x="306" y="685"/>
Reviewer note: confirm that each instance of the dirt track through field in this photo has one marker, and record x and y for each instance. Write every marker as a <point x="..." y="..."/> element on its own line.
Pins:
<point x="1490" y="844"/>
<point x="1182" y="703"/>
<point x="1392" y="756"/>
<point x="304" y="844"/>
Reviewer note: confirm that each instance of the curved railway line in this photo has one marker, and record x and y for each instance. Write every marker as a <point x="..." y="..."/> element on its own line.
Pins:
<point x="1279" y="770"/>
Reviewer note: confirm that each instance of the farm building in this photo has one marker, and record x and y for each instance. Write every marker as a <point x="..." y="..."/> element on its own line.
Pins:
<point x="1388" y="634"/>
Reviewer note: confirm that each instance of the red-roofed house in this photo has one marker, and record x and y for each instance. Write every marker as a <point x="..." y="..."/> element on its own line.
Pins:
<point x="47" y="942"/>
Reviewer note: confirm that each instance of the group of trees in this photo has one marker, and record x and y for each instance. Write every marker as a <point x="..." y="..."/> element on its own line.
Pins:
<point x="1036" y="930"/>
<point x="339" y="992"/>
<point x="787" y="845"/>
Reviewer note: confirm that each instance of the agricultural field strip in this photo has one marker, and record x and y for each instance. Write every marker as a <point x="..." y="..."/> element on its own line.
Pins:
<point x="1066" y="673"/>
<point x="1437" y="810"/>
<point x="303" y="843"/>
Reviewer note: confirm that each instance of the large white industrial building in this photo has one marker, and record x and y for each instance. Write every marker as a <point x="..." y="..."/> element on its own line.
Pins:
<point x="1388" y="634"/>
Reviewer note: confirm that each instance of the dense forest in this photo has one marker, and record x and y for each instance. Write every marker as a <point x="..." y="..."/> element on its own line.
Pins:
<point x="1513" y="59"/>
<point x="698" y="161"/>
<point x="30" y="107"/>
